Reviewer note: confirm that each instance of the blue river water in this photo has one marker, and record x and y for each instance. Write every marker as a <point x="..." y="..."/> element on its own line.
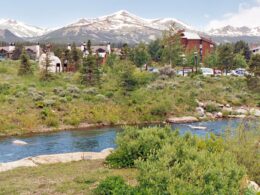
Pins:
<point x="90" y="140"/>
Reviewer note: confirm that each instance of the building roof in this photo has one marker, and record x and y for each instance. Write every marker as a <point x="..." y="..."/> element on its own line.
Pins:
<point x="6" y="48"/>
<point x="32" y="48"/>
<point x="191" y="35"/>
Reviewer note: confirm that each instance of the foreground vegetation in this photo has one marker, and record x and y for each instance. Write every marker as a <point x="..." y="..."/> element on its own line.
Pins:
<point x="124" y="95"/>
<point x="174" y="164"/>
<point x="73" y="178"/>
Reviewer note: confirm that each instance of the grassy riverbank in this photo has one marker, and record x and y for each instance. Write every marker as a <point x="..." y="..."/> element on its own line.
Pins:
<point x="72" y="178"/>
<point x="28" y="104"/>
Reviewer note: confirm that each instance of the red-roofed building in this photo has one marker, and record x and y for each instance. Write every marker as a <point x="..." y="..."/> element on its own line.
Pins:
<point x="195" y="42"/>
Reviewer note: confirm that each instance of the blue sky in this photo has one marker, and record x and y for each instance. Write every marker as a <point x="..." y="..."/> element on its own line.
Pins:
<point x="197" y="13"/>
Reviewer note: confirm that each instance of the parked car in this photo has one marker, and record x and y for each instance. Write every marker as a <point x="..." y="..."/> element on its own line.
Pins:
<point x="217" y="72"/>
<point x="153" y="70"/>
<point x="183" y="72"/>
<point x="240" y="72"/>
<point x="207" y="71"/>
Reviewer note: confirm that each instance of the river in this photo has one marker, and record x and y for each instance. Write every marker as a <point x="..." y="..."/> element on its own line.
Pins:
<point x="93" y="140"/>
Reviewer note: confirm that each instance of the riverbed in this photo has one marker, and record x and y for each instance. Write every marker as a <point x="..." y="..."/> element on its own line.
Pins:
<point x="94" y="140"/>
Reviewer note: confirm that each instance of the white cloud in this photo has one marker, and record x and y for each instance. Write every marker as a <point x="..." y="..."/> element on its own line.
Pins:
<point x="246" y="16"/>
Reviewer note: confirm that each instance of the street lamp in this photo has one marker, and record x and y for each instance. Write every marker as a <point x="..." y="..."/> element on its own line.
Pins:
<point x="196" y="61"/>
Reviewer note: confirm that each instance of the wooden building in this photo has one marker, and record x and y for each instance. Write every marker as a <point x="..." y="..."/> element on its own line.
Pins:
<point x="193" y="42"/>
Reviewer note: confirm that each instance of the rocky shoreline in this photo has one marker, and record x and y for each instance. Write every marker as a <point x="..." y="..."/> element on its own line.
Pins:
<point x="55" y="158"/>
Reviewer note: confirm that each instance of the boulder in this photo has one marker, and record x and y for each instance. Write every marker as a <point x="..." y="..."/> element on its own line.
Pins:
<point x="200" y="111"/>
<point x="219" y="115"/>
<point x="19" y="143"/>
<point x="242" y="111"/>
<point x="186" y="119"/>
<point x="227" y="109"/>
<point x="210" y="115"/>
<point x="255" y="112"/>
<point x="55" y="158"/>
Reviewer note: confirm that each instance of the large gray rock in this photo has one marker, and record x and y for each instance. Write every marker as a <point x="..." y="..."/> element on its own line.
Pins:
<point x="255" y="112"/>
<point x="55" y="158"/>
<point x="242" y="111"/>
<point x="186" y="119"/>
<point x="200" y="111"/>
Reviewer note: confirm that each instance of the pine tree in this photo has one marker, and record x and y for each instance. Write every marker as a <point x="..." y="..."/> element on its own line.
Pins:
<point x="25" y="65"/>
<point x="90" y="74"/>
<point x="45" y="74"/>
<point x="89" y="47"/>
<point x="76" y="56"/>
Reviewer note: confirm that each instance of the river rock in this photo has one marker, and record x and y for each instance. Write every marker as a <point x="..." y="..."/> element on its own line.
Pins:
<point x="219" y="115"/>
<point x="200" y="111"/>
<point x="210" y="115"/>
<point x="227" y="109"/>
<point x="186" y="119"/>
<point x="242" y="111"/>
<point x="255" y="112"/>
<point x="19" y="143"/>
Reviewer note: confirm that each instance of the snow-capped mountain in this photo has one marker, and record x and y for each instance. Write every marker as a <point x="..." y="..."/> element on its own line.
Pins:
<point x="20" y="29"/>
<point x="121" y="26"/>
<point x="235" y="31"/>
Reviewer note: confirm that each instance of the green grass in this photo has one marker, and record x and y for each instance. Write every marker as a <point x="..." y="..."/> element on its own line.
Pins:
<point x="28" y="104"/>
<point x="72" y="178"/>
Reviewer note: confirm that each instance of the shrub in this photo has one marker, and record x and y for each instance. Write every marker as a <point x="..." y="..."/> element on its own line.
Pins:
<point x="212" y="108"/>
<point x="173" y="164"/>
<point x="137" y="143"/>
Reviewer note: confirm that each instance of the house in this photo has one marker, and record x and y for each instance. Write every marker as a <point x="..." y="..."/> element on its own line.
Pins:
<point x="33" y="51"/>
<point x="55" y="63"/>
<point x="7" y="51"/>
<point x="256" y="50"/>
<point x="101" y="51"/>
<point x="194" y="42"/>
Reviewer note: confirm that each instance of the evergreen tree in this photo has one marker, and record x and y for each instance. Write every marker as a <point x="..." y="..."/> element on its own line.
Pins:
<point x="225" y="56"/>
<point x="46" y="74"/>
<point x="126" y="77"/>
<point x="155" y="50"/>
<point x="89" y="47"/>
<point x="25" y="65"/>
<point x="242" y="47"/>
<point x="125" y="50"/>
<point x="90" y="74"/>
<point x="76" y="56"/>
<point x="172" y="48"/>
<point x="254" y="65"/>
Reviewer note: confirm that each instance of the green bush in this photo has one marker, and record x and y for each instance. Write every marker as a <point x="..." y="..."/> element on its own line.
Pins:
<point x="191" y="165"/>
<point x="113" y="186"/>
<point x="212" y="108"/>
<point x="173" y="164"/>
<point x="136" y="143"/>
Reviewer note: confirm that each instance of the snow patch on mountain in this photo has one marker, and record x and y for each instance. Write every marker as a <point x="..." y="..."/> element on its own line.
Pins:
<point x="232" y="31"/>
<point x="20" y="29"/>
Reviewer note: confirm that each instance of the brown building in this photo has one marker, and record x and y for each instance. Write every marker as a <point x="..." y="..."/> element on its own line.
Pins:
<point x="193" y="42"/>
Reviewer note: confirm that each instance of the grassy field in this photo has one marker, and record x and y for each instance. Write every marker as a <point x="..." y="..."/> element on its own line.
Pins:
<point x="73" y="178"/>
<point x="28" y="104"/>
